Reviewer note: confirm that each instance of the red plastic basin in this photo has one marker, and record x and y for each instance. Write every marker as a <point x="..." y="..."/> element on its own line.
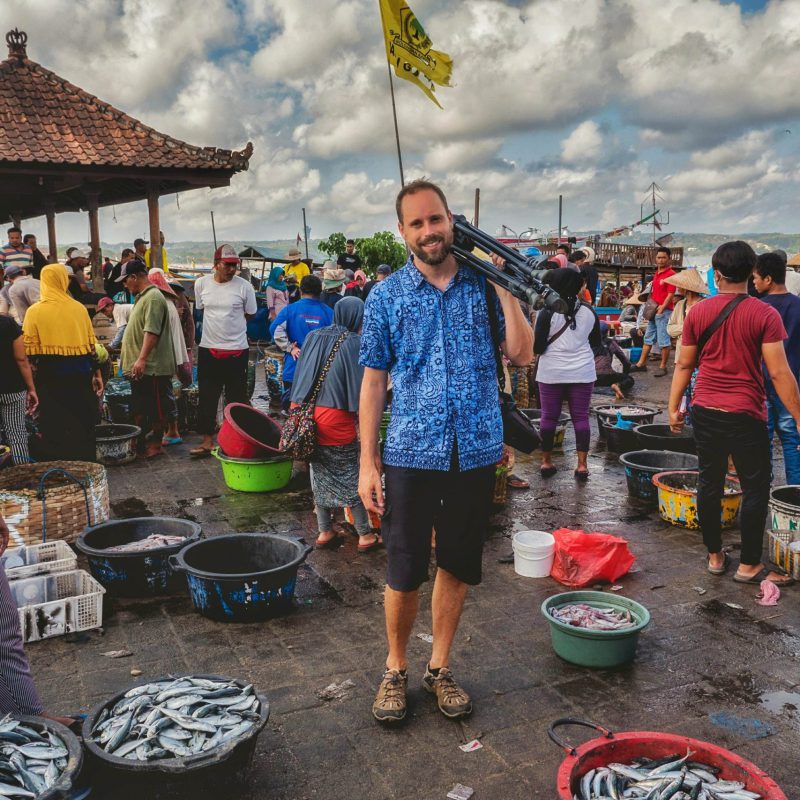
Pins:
<point x="624" y="747"/>
<point x="247" y="432"/>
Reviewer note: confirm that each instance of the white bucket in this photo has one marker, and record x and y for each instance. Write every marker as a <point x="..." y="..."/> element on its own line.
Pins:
<point x="533" y="553"/>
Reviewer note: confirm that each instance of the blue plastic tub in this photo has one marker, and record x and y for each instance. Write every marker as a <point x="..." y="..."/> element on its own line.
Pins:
<point x="636" y="354"/>
<point x="242" y="577"/>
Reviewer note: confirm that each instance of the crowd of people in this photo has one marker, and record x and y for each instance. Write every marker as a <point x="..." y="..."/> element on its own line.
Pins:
<point x="422" y="343"/>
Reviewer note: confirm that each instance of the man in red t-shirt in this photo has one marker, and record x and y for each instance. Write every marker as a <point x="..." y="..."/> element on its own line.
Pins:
<point x="729" y="406"/>
<point x="662" y="294"/>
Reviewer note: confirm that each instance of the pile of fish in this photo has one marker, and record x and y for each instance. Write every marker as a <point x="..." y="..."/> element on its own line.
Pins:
<point x="177" y="717"/>
<point x="153" y="541"/>
<point x="30" y="761"/>
<point x="581" y="615"/>
<point x="671" y="778"/>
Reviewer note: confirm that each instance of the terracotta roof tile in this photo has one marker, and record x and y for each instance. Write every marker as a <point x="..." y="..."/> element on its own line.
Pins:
<point x="46" y="119"/>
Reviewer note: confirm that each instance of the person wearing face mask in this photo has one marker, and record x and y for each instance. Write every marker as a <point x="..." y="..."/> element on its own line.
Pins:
<point x="726" y="337"/>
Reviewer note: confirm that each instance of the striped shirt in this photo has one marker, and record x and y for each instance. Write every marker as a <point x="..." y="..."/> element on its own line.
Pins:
<point x="11" y="256"/>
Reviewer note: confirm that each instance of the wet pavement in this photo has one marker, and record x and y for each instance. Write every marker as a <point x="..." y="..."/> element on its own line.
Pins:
<point x="706" y="669"/>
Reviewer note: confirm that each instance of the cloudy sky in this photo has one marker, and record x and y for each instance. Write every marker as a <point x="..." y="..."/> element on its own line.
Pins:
<point x="592" y="99"/>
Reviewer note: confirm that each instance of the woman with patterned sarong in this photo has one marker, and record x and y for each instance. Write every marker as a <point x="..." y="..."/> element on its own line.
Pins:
<point x="334" y="468"/>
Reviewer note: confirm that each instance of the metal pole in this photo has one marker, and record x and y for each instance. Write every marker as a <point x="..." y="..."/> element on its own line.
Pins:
<point x="476" y="217"/>
<point x="214" y="231"/>
<point x="396" y="130"/>
<point x="305" y="231"/>
<point x="560" y="209"/>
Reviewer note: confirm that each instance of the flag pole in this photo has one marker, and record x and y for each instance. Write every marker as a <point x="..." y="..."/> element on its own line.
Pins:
<point x="394" y="107"/>
<point x="305" y="232"/>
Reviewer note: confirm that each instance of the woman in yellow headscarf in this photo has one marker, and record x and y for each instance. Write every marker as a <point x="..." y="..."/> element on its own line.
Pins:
<point x="59" y="340"/>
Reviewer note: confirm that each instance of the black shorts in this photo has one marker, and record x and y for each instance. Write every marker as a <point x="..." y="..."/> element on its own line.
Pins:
<point x="152" y="398"/>
<point x="456" y="504"/>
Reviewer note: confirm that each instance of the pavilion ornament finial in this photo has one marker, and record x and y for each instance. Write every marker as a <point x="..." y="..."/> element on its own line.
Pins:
<point x="16" y="41"/>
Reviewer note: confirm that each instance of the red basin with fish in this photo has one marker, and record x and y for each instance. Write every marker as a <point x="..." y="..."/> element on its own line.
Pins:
<point x="625" y="747"/>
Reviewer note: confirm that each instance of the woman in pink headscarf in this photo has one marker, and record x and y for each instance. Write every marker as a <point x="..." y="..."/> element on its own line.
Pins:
<point x="355" y="288"/>
<point x="560" y="259"/>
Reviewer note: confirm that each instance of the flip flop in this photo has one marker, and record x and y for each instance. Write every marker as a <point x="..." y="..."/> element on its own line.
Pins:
<point x="718" y="570"/>
<point x="581" y="474"/>
<point x="200" y="452"/>
<point x="547" y="472"/>
<point x="376" y="545"/>
<point x="515" y="482"/>
<point x="167" y="441"/>
<point x="761" y="575"/>
<point x="331" y="544"/>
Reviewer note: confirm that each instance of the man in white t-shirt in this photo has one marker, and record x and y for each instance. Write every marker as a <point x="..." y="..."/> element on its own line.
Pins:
<point x="227" y="302"/>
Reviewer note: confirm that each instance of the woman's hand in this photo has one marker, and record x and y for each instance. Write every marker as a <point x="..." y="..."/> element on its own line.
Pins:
<point x="33" y="401"/>
<point x="97" y="384"/>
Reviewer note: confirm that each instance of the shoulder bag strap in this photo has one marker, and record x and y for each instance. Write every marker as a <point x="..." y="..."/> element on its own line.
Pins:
<point x="494" y="329"/>
<point x="717" y="323"/>
<point x="312" y="397"/>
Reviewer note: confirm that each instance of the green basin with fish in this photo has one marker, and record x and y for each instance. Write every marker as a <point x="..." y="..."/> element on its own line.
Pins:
<point x="591" y="648"/>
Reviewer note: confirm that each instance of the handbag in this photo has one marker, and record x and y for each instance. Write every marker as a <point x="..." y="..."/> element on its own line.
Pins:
<point x="650" y="308"/>
<point x="518" y="431"/>
<point x="299" y="434"/>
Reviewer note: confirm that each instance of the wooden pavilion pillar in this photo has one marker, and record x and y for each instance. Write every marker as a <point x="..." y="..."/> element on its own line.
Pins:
<point x="155" y="226"/>
<point x="94" y="240"/>
<point x="52" y="243"/>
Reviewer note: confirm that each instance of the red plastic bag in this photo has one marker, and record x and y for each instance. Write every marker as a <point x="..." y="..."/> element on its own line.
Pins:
<point x="584" y="558"/>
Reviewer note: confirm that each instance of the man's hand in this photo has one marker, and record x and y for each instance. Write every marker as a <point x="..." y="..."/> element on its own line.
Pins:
<point x="33" y="401"/>
<point x="97" y="385"/>
<point x="676" y="421"/>
<point x="370" y="488"/>
<point x="137" y="370"/>
<point x="499" y="263"/>
<point x="295" y="351"/>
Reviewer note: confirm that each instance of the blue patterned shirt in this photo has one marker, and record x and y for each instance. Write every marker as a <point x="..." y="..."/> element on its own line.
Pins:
<point x="437" y="347"/>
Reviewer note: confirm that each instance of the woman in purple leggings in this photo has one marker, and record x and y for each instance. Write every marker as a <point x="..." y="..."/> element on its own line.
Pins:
<point x="565" y="367"/>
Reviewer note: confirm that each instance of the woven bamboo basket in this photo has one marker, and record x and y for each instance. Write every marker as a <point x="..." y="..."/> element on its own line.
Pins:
<point x="23" y="506"/>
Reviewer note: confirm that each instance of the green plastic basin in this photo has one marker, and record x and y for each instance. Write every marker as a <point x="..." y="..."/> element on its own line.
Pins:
<point x="254" y="474"/>
<point x="600" y="649"/>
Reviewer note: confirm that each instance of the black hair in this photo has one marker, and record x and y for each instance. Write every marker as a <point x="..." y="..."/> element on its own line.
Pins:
<point x="14" y="229"/>
<point x="127" y="252"/>
<point x="771" y="265"/>
<point x="350" y="241"/>
<point x="577" y="255"/>
<point x="27" y="237"/>
<point x="564" y="246"/>
<point x="734" y="261"/>
<point x="312" y="285"/>
<point x="664" y="250"/>
<point x="567" y="282"/>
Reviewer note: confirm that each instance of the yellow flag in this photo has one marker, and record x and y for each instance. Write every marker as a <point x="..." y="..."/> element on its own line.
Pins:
<point x="409" y="49"/>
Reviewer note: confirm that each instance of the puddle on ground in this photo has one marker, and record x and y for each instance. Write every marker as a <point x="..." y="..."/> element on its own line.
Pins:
<point x="196" y="501"/>
<point x="776" y="702"/>
<point x="314" y="591"/>
<point x="130" y="507"/>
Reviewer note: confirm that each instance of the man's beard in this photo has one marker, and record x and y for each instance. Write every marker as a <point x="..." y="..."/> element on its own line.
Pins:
<point x="428" y="258"/>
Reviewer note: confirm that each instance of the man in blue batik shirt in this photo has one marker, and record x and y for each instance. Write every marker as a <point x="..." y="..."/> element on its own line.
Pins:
<point x="427" y="326"/>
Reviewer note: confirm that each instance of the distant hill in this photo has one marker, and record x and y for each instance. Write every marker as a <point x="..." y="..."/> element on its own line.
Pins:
<point x="202" y="253"/>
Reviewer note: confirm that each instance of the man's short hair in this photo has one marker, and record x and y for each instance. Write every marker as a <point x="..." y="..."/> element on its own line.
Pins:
<point x="734" y="261"/>
<point x="771" y="265"/>
<point x="564" y="246"/>
<point x="576" y="255"/>
<point x="351" y="241"/>
<point x="13" y="229"/>
<point x="127" y="252"/>
<point x="312" y="285"/>
<point x="420" y="185"/>
<point x="27" y="237"/>
<point x="664" y="250"/>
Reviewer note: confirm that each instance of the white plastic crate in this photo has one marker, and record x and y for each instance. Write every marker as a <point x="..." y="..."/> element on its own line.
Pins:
<point x="784" y="549"/>
<point x="38" y="559"/>
<point x="52" y="605"/>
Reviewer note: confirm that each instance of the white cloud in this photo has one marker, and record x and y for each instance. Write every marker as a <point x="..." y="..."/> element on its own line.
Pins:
<point x="583" y="144"/>
<point x="563" y="86"/>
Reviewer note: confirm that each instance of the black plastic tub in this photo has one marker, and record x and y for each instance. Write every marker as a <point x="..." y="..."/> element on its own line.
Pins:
<point x="64" y="787"/>
<point x="221" y="772"/>
<point x="641" y="465"/>
<point x="638" y="413"/>
<point x="660" y="437"/>
<point x="619" y="440"/>
<point x="116" y="444"/>
<point x="136" y="574"/>
<point x="242" y="577"/>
